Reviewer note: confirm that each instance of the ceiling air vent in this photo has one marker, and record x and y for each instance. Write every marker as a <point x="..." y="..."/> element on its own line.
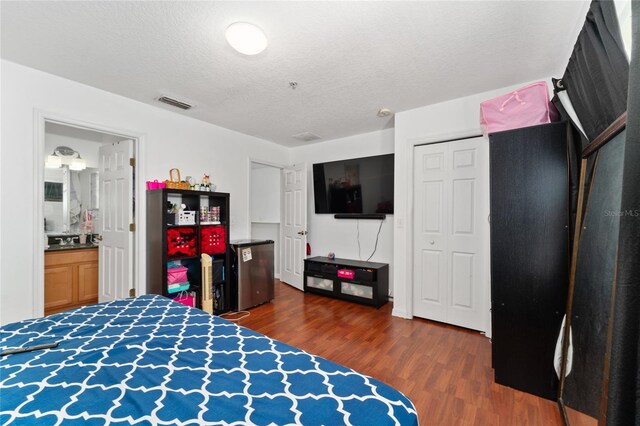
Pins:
<point x="173" y="102"/>
<point x="306" y="137"/>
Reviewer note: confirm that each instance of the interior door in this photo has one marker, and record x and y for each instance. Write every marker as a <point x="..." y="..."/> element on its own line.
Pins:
<point x="451" y="196"/>
<point x="294" y="224"/>
<point x="116" y="192"/>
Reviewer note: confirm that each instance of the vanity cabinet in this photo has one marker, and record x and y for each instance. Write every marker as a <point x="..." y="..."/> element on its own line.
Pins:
<point x="70" y="279"/>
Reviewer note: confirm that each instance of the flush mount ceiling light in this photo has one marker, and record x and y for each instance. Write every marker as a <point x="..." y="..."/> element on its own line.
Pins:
<point x="246" y="38"/>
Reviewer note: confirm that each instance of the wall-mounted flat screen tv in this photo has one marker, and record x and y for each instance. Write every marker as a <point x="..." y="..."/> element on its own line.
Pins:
<point x="354" y="186"/>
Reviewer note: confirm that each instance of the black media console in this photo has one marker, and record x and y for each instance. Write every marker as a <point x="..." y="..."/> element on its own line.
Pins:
<point x="352" y="280"/>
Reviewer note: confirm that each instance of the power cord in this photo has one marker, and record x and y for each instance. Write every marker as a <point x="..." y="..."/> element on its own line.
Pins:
<point x="358" y="237"/>
<point x="377" y="236"/>
<point x="234" y="319"/>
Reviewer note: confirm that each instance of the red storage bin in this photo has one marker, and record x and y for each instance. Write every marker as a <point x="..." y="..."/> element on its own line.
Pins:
<point x="213" y="239"/>
<point x="181" y="242"/>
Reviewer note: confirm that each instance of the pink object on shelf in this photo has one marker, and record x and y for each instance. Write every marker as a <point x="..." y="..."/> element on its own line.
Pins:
<point x="527" y="106"/>
<point x="186" y="298"/>
<point x="155" y="184"/>
<point x="346" y="273"/>
<point x="176" y="275"/>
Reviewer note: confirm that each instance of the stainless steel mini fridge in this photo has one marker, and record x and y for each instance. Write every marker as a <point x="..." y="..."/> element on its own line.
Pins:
<point x="253" y="282"/>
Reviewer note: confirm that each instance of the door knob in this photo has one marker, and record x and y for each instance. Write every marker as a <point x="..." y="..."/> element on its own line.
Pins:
<point x="302" y="233"/>
<point x="432" y="242"/>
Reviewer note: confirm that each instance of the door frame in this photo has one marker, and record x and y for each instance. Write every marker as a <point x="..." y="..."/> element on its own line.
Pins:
<point x="409" y="231"/>
<point x="281" y="167"/>
<point x="139" y="148"/>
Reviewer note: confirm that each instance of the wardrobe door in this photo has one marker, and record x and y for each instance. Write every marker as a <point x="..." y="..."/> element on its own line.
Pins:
<point x="529" y="254"/>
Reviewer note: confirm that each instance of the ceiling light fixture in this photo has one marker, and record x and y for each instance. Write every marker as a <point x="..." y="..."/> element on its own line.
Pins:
<point x="246" y="38"/>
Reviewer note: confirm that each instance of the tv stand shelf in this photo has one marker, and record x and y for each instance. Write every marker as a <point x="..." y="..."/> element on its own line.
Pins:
<point x="361" y="282"/>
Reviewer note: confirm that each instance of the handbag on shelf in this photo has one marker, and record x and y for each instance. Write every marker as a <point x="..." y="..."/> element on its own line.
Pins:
<point x="175" y="182"/>
<point x="186" y="298"/>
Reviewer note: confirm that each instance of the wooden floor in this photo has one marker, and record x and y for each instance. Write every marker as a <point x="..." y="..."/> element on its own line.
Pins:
<point x="445" y="370"/>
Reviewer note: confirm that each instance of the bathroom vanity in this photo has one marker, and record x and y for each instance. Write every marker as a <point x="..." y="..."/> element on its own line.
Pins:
<point x="70" y="277"/>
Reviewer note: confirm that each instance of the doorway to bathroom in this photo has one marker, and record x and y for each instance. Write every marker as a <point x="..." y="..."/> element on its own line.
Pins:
<point x="88" y="224"/>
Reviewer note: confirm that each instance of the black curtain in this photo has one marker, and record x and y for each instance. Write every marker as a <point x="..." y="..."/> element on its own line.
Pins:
<point x="596" y="77"/>
<point x="574" y="148"/>
<point x="624" y="377"/>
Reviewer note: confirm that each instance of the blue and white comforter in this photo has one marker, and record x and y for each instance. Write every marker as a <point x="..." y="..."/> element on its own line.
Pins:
<point x="149" y="360"/>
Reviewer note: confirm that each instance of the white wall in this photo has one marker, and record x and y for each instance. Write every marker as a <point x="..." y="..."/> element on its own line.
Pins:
<point x="265" y="194"/>
<point x="265" y="208"/>
<point x="172" y="140"/>
<point x="439" y="122"/>
<point x="340" y="235"/>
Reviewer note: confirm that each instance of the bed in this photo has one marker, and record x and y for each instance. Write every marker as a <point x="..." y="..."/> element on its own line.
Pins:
<point x="150" y="360"/>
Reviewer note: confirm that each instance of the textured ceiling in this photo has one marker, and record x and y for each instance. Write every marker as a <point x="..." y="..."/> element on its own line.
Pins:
<point x="349" y="58"/>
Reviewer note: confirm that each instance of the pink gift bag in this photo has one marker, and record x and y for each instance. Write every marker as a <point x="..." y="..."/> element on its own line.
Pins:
<point x="524" y="107"/>
<point x="186" y="298"/>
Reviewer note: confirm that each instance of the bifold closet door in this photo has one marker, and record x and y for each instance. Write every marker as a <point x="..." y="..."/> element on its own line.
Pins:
<point x="450" y="232"/>
<point x="529" y="254"/>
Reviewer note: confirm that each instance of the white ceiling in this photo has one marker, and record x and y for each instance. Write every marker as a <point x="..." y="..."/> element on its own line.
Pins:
<point x="349" y="58"/>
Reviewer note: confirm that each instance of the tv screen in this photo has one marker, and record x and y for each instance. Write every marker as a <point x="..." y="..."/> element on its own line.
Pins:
<point x="358" y="186"/>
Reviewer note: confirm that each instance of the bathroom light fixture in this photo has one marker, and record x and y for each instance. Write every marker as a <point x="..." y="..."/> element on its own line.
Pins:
<point x="246" y="38"/>
<point x="65" y="155"/>
<point x="78" y="164"/>
<point x="53" y="162"/>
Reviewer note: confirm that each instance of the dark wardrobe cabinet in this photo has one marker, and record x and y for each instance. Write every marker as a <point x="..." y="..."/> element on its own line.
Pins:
<point x="529" y="254"/>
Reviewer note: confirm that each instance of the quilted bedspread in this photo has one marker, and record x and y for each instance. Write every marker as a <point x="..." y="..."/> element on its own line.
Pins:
<point x="149" y="360"/>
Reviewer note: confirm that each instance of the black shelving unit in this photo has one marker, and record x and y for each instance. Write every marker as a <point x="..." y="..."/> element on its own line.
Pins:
<point x="159" y="227"/>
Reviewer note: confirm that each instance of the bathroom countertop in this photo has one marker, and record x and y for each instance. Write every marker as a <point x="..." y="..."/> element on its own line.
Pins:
<point x="66" y="247"/>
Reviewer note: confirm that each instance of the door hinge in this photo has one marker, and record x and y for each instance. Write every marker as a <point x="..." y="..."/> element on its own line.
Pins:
<point x="132" y="227"/>
<point x="132" y="292"/>
<point x="132" y="162"/>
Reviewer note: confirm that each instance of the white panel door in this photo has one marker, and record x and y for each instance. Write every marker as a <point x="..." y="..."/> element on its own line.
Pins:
<point x="116" y="208"/>
<point x="294" y="224"/>
<point x="451" y="200"/>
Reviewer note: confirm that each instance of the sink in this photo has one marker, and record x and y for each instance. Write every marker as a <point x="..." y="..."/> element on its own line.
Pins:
<point x="58" y="247"/>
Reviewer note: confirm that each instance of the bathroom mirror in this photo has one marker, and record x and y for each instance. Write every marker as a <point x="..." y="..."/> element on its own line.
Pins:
<point x="68" y="193"/>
